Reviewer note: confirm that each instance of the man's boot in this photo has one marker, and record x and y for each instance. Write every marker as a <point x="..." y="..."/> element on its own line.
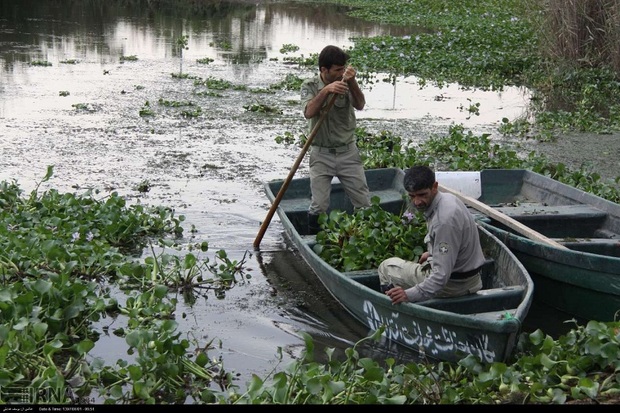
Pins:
<point x="313" y="224"/>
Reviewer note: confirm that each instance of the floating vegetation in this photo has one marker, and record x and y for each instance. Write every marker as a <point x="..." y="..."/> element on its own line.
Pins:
<point x="290" y="82"/>
<point x="224" y="45"/>
<point x="302" y="61"/>
<point x="209" y="93"/>
<point x="192" y="113"/>
<point x="211" y="166"/>
<point x="85" y="107"/>
<point x="213" y="83"/>
<point x="174" y="103"/>
<point x="143" y="187"/>
<point x="262" y="108"/>
<point x="262" y="90"/>
<point x="146" y="110"/>
<point x="53" y="296"/>
<point x="40" y="63"/>
<point x="288" y="48"/>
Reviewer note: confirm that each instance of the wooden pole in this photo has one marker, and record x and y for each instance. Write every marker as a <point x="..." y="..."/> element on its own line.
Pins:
<point x="289" y="178"/>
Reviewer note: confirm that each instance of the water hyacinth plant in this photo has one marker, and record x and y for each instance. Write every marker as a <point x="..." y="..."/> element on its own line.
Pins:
<point x="62" y="259"/>
<point x="362" y="240"/>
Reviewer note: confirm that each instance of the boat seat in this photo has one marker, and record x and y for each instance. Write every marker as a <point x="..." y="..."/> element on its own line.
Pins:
<point x="387" y="196"/>
<point x="604" y="241"/>
<point x="601" y="246"/>
<point x="370" y="278"/>
<point x="605" y="233"/>
<point x="577" y="221"/>
<point x="561" y="212"/>
<point x="295" y="205"/>
<point x="484" y="301"/>
<point x="390" y="195"/>
<point x="309" y="239"/>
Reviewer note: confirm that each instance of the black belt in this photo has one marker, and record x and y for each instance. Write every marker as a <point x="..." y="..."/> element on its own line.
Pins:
<point x="337" y="149"/>
<point x="466" y="274"/>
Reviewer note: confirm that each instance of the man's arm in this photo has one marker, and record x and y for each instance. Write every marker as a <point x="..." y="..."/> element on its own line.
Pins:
<point x="314" y="105"/>
<point x="359" y="100"/>
<point x="445" y="248"/>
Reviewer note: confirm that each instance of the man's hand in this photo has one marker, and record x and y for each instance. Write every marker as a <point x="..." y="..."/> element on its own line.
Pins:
<point x="342" y="87"/>
<point x="338" y="88"/>
<point x="349" y="74"/>
<point x="423" y="257"/>
<point x="397" y="295"/>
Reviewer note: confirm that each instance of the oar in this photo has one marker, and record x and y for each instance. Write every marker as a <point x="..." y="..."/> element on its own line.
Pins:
<point x="503" y="218"/>
<point x="288" y="180"/>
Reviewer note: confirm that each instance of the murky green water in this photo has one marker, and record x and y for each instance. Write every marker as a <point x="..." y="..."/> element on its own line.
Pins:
<point x="81" y="113"/>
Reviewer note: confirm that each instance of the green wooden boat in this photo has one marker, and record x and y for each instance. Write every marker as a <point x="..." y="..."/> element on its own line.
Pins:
<point x="485" y="324"/>
<point x="581" y="277"/>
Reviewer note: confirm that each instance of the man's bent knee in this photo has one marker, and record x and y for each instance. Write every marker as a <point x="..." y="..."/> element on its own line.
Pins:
<point x="384" y="272"/>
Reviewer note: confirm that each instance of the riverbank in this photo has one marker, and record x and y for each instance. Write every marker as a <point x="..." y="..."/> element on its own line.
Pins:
<point x="597" y="153"/>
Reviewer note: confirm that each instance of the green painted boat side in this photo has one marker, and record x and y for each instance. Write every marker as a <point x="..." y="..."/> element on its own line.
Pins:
<point x="583" y="280"/>
<point x="486" y="324"/>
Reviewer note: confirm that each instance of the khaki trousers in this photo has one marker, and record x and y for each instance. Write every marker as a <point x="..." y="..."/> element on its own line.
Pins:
<point x="344" y="163"/>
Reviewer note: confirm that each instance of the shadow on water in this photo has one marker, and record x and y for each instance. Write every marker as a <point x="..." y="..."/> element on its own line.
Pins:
<point x="550" y="320"/>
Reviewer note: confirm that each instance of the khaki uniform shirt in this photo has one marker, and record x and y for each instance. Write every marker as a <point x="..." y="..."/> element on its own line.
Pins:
<point x="338" y="127"/>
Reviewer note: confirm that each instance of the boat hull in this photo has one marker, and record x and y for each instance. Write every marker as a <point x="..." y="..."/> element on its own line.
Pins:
<point x="583" y="285"/>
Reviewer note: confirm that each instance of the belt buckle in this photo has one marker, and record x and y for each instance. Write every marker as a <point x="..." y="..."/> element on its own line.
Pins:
<point x="331" y="150"/>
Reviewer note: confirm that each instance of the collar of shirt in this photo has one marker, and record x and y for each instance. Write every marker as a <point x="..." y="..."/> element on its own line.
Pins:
<point x="430" y="211"/>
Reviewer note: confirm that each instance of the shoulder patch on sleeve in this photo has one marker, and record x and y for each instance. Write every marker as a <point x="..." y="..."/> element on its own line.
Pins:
<point x="304" y="93"/>
<point x="443" y="248"/>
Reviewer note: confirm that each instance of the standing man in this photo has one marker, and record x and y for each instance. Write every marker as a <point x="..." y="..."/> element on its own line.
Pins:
<point x="334" y="151"/>
<point x="451" y="265"/>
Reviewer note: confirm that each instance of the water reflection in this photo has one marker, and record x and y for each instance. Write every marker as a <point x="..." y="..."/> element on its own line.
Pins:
<point x="234" y="32"/>
<point x="244" y="42"/>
